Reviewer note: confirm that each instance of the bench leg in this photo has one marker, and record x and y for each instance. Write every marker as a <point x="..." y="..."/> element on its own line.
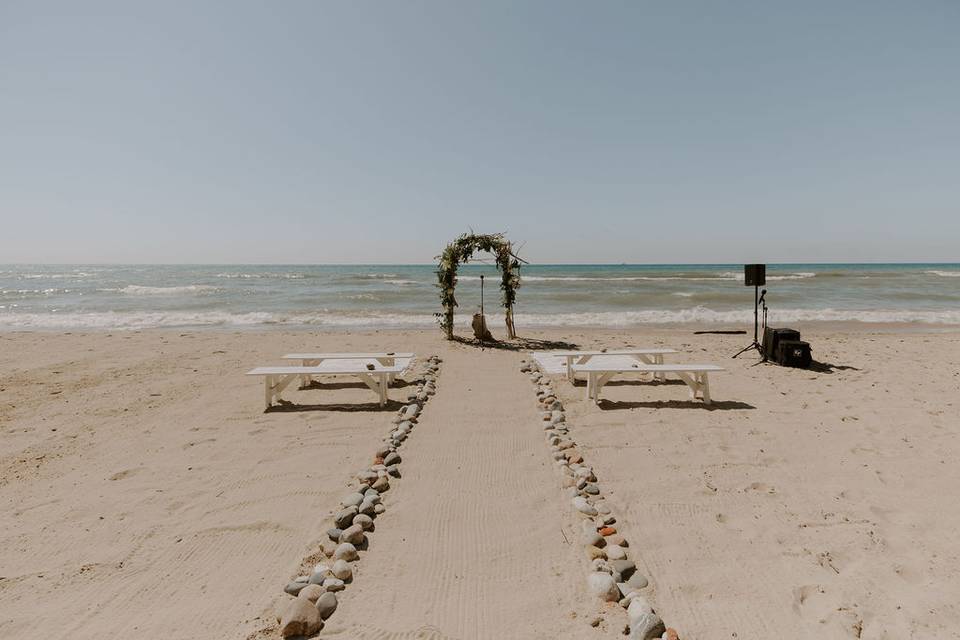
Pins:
<point x="268" y="391"/>
<point x="705" y="388"/>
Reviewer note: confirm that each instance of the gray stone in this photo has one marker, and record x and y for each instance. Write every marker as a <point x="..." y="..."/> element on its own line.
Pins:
<point x="379" y="508"/>
<point x="300" y="618"/>
<point x="637" y="581"/>
<point x="334" y="533"/>
<point x="318" y="577"/>
<point x="294" y="588"/>
<point x="393" y="458"/>
<point x="394" y="471"/>
<point x="603" y="586"/>
<point x="364" y="521"/>
<point x="382" y="484"/>
<point x="615" y="552"/>
<point x="581" y="505"/>
<point x="344" y="518"/>
<point x="327" y="604"/>
<point x="593" y="539"/>
<point x="352" y="500"/>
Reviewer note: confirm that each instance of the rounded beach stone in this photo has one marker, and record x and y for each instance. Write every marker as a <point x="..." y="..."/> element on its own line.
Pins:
<point x="311" y="592"/>
<point x="352" y="500"/>
<point x="645" y="626"/>
<point x="345" y="551"/>
<point x="379" y="508"/>
<point x="363" y="521"/>
<point x="294" y="588"/>
<point x="341" y="569"/>
<point x="580" y="504"/>
<point x="334" y="584"/>
<point x="618" y="540"/>
<point x="593" y="539"/>
<point x="382" y="484"/>
<point x="392" y="458"/>
<point x="334" y="533"/>
<point x="603" y="586"/>
<point x="623" y="566"/>
<point x="300" y="618"/>
<point x="327" y="604"/>
<point x="344" y="518"/>
<point x="637" y="581"/>
<point x="353" y="534"/>
<point x="615" y="553"/>
<point x="366" y="476"/>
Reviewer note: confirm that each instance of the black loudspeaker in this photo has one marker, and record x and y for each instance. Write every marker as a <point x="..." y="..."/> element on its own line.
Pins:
<point x="755" y="275"/>
<point x="772" y="339"/>
<point x="794" y="353"/>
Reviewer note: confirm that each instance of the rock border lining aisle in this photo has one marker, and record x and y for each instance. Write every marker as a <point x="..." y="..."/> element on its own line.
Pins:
<point x="614" y="576"/>
<point x="313" y="594"/>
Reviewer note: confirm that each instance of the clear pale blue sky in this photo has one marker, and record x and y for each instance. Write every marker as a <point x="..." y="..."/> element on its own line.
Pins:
<point x="377" y="131"/>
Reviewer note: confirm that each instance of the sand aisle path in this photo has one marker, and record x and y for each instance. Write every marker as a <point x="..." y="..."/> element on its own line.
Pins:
<point x="471" y="545"/>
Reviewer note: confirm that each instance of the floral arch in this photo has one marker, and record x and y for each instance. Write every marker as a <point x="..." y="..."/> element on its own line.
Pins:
<point x="460" y="251"/>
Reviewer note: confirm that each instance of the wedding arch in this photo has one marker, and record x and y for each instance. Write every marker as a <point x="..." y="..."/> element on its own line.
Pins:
<point x="460" y="251"/>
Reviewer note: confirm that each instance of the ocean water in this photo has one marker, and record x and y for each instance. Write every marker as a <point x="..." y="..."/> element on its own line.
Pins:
<point x="80" y="297"/>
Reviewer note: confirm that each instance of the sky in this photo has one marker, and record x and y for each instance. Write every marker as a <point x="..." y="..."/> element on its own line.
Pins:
<point x="376" y="132"/>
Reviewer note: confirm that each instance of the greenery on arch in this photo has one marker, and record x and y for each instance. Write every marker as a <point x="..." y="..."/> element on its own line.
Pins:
<point x="460" y="251"/>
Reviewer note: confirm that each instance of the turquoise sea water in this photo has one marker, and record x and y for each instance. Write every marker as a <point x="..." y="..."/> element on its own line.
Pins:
<point x="358" y="296"/>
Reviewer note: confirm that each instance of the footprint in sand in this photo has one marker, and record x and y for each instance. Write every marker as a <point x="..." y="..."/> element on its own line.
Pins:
<point x="126" y="473"/>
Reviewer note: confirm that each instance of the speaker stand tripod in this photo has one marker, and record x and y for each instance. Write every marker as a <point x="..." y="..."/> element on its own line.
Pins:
<point x="756" y="325"/>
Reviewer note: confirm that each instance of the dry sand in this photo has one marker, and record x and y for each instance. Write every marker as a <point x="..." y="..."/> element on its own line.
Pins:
<point x="146" y="494"/>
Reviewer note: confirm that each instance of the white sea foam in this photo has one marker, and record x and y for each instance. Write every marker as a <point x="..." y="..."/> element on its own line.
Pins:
<point x="944" y="274"/>
<point x="257" y="276"/>
<point x="138" y="290"/>
<point x="699" y="315"/>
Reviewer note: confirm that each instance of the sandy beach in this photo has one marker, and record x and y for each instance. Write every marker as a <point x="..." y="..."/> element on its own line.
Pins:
<point x="148" y="494"/>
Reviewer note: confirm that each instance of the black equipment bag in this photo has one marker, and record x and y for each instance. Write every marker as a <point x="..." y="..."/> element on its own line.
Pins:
<point x="794" y="353"/>
<point x="772" y="337"/>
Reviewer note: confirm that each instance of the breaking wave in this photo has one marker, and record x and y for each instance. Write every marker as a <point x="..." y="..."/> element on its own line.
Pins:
<point x="698" y="315"/>
<point x="139" y="290"/>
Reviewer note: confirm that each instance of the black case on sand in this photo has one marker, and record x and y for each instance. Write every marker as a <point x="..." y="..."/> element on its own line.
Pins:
<point x="794" y="353"/>
<point x="772" y="337"/>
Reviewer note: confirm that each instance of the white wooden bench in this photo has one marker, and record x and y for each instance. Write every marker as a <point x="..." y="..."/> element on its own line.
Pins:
<point x="694" y="375"/>
<point x="647" y="356"/>
<point x="314" y="359"/>
<point x="276" y="379"/>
